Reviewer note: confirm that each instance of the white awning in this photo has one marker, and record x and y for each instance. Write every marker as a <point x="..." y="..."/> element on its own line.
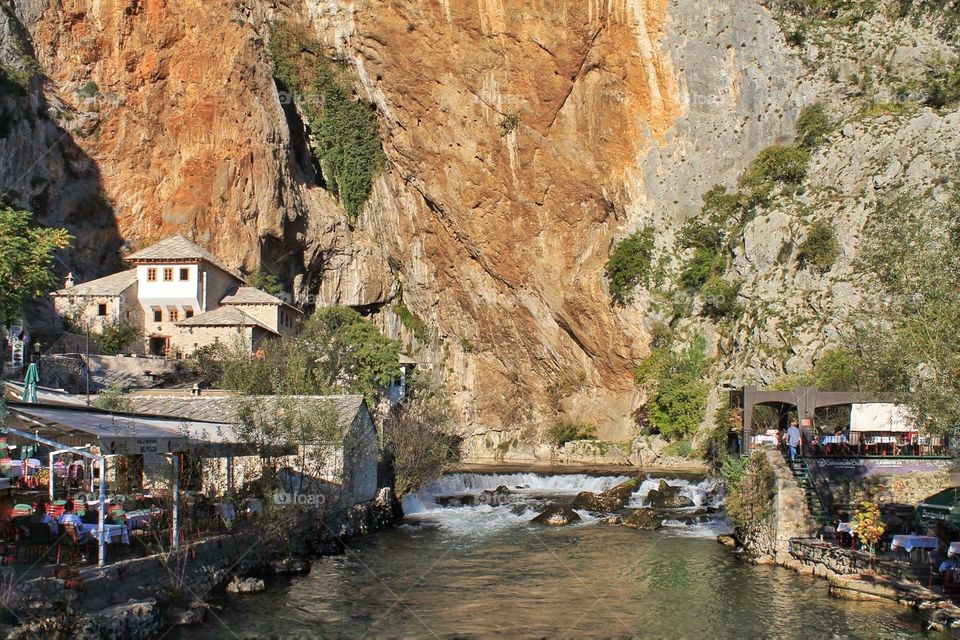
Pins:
<point x="880" y="416"/>
<point x="132" y="433"/>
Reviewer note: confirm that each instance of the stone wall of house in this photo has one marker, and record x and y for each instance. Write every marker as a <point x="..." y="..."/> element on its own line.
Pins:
<point x="218" y="285"/>
<point x="186" y="340"/>
<point x="265" y="313"/>
<point x="908" y="488"/>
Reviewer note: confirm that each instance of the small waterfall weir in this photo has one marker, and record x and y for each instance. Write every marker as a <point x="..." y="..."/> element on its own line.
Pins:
<point x="478" y="503"/>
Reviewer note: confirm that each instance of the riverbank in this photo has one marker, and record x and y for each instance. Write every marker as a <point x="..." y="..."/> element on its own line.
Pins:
<point x="138" y="598"/>
<point x="787" y="538"/>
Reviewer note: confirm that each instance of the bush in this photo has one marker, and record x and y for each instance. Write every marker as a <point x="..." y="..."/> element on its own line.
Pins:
<point x="820" y="249"/>
<point x="751" y="488"/>
<point x="942" y="85"/>
<point x="813" y="125"/>
<point x="720" y="298"/>
<point x="777" y="164"/>
<point x="113" y="399"/>
<point x="116" y="338"/>
<point x="345" y="129"/>
<point x="89" y="89"/>
<point x="704" y="264"/>
<point x="629" y="265"/>
<point x="267" y="282"/>
<point x="509" y="122"/>
<point x="567" y="431"/>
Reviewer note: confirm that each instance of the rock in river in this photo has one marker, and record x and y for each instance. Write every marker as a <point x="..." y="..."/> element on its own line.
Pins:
<point x="556" y="516"/>
<point x="598" y="503"/>
<point x="668" y="497"/>
<point x="623" y="490"/>
<point x="247" y="585"/>
<point x="642" y="519"/>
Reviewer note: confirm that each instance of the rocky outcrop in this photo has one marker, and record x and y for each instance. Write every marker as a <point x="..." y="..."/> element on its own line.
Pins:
<point x="666" y="496"/>
<point x="557" y="516"/>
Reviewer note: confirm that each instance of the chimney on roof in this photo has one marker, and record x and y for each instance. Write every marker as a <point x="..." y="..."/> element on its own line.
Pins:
<point x="195" y="389"/>
<point x="69" y="281"/>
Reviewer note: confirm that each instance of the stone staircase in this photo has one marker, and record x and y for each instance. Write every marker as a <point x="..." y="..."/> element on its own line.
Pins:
<point x="802" y="474"/>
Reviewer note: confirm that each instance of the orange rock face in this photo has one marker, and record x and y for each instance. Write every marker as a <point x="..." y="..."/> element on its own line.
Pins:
<point x="512" y="131"/>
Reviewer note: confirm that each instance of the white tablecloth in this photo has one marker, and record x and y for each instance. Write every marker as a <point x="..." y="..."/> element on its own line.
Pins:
<point x="909" y="543"/>
<point x="141" y="517"/>
<point x="881" y="440"/>
<point x="114" y="532"/>
<point x="846" y="527"/>
<point x="834" y="440"/>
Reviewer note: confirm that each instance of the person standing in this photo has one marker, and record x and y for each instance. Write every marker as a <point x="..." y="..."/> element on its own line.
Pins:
<point x="793" y="439"/>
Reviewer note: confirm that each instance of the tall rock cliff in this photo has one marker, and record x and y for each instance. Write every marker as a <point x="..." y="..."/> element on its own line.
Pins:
<point x="522" y="140"/>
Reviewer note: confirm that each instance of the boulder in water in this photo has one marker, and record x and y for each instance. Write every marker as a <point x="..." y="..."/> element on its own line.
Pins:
<point x="597" y="503"/>
<point x="247" y="585"/>
<point x="727" y="540"/>
<point x="557" y="516"/>
<point x="623" y="490"/>
<point x="610" y="520"/>
<point x="666" y="496"/>
<point x="642" y="519"/>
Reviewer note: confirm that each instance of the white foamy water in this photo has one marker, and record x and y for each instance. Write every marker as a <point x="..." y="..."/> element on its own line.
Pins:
<point x="531" y="492"/>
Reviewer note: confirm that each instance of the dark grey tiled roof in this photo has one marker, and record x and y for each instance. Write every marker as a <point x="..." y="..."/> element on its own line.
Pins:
<point x="179" y="248"/>
<point x="224" y="317"/>
<point x="112" y="285"/>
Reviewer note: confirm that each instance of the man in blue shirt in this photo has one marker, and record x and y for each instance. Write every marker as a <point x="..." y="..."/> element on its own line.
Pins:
<point x="793" y="439"/>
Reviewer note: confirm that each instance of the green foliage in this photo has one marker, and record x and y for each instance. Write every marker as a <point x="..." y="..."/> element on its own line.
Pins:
<point x="13" y="82"/>
<point x="26" y="259"/>
<point x="412" y="321"/>
<point x="569" y="430"/>
<point x="820" y="249"/>
<point x="751" y="488"/>
<point x="675" y="387"/>
<point x="509" y="122"/>
<point x="345" y="129"/>
<point x="942" y="86"/>
<point x="113" y="399"/>
<point x="813" y="125"/>
<point x="89" y="90"/>
<point x="845" y="11"/>
<point x="337" y="351"/>
<point x="775" y="165"/>
<point x="117" y="338"/>
<point x="679" y="449"/>
<point x="629" y="265"/>
<point x="909" y="341"/>
<point x="267" y="282"/>
<point x="720" y="298"/>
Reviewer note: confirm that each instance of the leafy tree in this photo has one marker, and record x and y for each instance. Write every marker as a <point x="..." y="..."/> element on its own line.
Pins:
<point x="417" y="438"/>
<point x="338" y="351"/>
<point x="629" y="265"/>
<point x="267" y="282"/>
<point x="675" y="387"/>
<point x="26" y="261"/>
<point x="777" y="164"/>
<point x="751" y="487"/>
<point x="113" y="399"/>
<point x="115" y="338"/>
<point x="720" y="298"/>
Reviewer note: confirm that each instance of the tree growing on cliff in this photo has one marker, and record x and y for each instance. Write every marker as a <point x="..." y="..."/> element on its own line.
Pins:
<point x="751" y="486"/>
<point x="629" y="265"/>
<point x="674" y="384"/>
<point x="267" y="282"/>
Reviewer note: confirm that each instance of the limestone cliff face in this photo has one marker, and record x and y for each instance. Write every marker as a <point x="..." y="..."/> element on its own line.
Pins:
<point x="523" y="139"/>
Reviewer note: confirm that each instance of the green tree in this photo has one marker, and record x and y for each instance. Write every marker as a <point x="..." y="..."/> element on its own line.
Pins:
<point x="26" y="262"/>
<point x="820" y="249"/>
<point x="629" y="265"/>
<point x="675" y="388"/>
<point x="113" y="399"/>
<point x="115" y="338"/>
<point x="813" y="125"/>
<point x="267" y="282"/>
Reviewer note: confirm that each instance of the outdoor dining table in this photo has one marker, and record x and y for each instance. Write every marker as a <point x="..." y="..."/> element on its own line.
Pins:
<point x="140" y="518"/>
<point x="113" y="532"/>
<point x="876" y="441"/>
<point x="909" y="543"/>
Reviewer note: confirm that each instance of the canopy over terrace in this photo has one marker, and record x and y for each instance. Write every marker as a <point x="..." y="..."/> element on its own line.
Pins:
<point x="73" y="429"/>
<point x="806" y="400"/>
<point x="130" y="433"/>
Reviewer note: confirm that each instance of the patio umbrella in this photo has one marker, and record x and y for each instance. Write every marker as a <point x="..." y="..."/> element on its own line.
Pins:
<point x="30" y="383"/>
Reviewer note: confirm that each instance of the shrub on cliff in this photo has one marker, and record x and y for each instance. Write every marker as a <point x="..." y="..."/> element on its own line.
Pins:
<point x="777" y="164"/>
<point x="346" y="134"/>
<point x="813" y="125"/>
<point x="720" y="298"/>
<point x="267" y="282"/>
<point x="629" y="265"/>
<point x="568" y="430"/>
<point x="820" y="249"/>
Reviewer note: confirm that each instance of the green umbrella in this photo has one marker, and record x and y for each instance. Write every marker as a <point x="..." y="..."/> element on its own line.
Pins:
<point x="30" y="383"/>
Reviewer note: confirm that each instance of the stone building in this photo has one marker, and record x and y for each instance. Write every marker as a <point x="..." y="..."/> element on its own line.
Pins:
<point x="181" y="297"/>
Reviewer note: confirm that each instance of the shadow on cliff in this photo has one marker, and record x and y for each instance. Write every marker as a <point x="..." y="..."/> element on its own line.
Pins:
<point x="45" y="171"/>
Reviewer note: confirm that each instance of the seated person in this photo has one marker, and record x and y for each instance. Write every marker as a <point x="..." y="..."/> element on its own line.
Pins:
<point x="90" y="516"/>
<point x="40" y="514"/>
<point x="949" y="564"/>
<point x="69" y="516"/>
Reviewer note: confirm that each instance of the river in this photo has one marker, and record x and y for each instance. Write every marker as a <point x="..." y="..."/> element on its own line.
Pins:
<point x="482" y="570"/>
